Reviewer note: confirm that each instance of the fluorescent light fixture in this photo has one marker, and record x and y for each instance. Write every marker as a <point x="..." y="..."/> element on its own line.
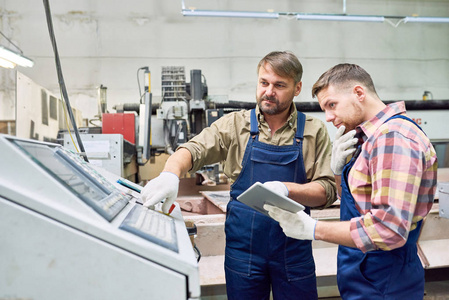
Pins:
<point x="426" y="20"/>
<point x="350" y="18"/>
<point x="192" y="12"/>
<point x="15" y="57"/>
<point x="231" y="14"/>
<point x="6" y="64"/>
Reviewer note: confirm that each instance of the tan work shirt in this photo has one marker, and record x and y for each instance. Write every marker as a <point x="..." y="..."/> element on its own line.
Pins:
<point x="225" y="141"/>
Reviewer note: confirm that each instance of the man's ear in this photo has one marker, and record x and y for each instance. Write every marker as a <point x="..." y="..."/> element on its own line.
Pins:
<point x="298" y="88"/>
<point x="359" y="91"/>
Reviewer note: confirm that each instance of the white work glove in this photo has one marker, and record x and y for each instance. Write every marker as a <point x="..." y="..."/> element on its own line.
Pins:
<point x="165" y="186"/>
<point x="295" y="225"/>
<point x="277" y="187"/>
<point x="344" y="145"/>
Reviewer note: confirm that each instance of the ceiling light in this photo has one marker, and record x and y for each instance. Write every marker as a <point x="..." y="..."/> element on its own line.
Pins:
<point x="350" y="18"/>
<point x="15" y="57"/>
<point x="192" y="12"/>
<point x="426" y="20"/>
<point x="234" y="14"/>
<point x="6" y="64"/>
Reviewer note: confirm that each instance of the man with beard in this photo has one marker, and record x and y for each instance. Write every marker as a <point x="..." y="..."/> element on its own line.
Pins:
<point x="387" y="189"/>
<point x="280" y="147"/>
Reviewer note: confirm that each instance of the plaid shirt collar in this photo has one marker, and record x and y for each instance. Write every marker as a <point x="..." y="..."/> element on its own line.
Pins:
<point x="368" y="128"/>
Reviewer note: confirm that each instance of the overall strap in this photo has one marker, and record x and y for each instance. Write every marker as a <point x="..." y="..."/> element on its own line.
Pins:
<point x="300" y="124"/>
<point x="254" y="124"/>
<point x="405" y="118"/>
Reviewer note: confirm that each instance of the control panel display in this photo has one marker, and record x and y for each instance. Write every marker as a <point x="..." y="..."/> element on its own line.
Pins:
<point x="73" y="172"/>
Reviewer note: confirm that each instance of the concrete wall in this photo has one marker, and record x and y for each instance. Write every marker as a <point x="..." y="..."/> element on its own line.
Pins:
<point x="105" y="42"/>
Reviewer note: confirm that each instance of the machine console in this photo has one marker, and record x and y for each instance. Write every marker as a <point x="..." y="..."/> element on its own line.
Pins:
<point x="151" y="225"/>
<point x="55" y="207"/>
<point x="74" y="173"/>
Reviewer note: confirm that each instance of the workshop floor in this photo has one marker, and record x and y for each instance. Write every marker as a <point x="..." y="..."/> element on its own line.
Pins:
<point x="436" y="288"/>
<point x="437" y="284"/>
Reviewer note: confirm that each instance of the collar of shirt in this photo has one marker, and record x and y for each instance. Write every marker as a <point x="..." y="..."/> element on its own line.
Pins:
<point x="291" y="121"/>
<point x="368" y="128"/>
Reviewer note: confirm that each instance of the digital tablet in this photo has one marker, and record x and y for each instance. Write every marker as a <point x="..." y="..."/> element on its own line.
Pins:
<point x="257" y="195"/>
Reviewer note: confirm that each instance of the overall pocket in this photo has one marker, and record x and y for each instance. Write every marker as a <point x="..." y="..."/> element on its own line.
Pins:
<point x="299" y="263"/>
<point x="239" y="235"/>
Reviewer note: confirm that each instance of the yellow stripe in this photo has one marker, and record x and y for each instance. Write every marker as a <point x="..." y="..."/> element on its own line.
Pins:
<point x="373" y="234"/>
<point x="359" y="176"/>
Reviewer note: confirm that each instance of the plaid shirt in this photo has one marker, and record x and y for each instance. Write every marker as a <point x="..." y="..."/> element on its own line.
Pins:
<point x="393" y="181"/>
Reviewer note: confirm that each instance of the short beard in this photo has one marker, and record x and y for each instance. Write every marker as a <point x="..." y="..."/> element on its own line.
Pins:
<point x="356" y="119"/>
<point x="276" y="109"/>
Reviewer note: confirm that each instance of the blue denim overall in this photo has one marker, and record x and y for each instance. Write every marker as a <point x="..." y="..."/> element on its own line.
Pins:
<point x="395" y="274"/>
<point x="258" y="254"/>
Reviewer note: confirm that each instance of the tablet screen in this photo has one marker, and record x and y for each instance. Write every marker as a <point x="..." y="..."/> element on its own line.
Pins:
<point x="257" y="195"/>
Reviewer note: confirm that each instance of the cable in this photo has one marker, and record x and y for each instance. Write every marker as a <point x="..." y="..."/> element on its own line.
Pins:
<point x="168" y="146"/>
<point x="141" y="95"/>
<point x="61" y="78"/>
<point x="198" y="253"/>
<point x="176" y="138"/>
<point x="138" y="83"/>
<point x="395" y="25"/>
<point x="93" y="120"/>
<point x="20" y="50"/>
<point x="67" y="123"/>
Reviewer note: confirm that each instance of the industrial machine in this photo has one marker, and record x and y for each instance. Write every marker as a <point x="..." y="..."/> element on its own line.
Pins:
<point x="182" y="113"/>
<point x="69" y="230"/>
<point x="112" y="152"/>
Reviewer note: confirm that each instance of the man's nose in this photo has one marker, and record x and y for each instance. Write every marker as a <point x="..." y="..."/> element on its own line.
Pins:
<point x="329" y="116"/>
<point x="269" y="91"/>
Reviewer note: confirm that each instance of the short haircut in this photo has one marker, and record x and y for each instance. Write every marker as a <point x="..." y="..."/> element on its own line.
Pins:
<point x="343" y="76"/>
<point x="284" y="63"/>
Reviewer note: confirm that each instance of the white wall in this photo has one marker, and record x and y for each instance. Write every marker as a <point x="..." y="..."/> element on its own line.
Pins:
<point x="105" y="42"/>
